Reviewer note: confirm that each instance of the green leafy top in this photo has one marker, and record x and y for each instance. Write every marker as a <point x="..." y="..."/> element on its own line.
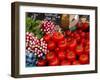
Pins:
<point x="34" y="26"/>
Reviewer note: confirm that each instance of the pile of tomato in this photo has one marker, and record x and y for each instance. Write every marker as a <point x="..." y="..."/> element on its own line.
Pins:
<point x="67" y="48"/>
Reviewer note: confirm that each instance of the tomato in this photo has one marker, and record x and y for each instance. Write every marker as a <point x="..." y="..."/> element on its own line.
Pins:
<point x="87" y="43"/>
<point x="83" y="41"/>
<point x="65" y="62"/>
<point x="57" y="49"/>
<point x="72" y="35"/>
<point x="51" y="45"/>
<point x="85" y="26"/>
<point x="79" y="49"/>
<point x="62" y="44"/>
<point x="82" y="34"/>
<point x="47" y="37"/>
<point x="50" y="56"/>
<point x="77" y="37"/>
<point x="61" y="55"/>
<point x="54" y="62"/>
<point x="79" y="25"/>
<point x="68" y="39"/>
<point x="75" y="62"/>
<point x="75" y="33"/>
<point x="86" y="49"/>
<point x="41" y="62"/>
<point x="79" y="31"/>
<point x="87" y="36"/>
<point x="70" y="55"/>
<point x="84" y="58"/>
<point x="57" y="36"/>
<point x="72" y="44"/>
<point x="68" y="32"/>
<point x="68" y="42"/>
<point x="87" y="33"/>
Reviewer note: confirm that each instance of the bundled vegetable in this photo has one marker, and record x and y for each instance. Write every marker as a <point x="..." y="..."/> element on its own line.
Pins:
<point x="35" y="45"/>
<point x="34" y="26"/>
<point x="48" y="27"/>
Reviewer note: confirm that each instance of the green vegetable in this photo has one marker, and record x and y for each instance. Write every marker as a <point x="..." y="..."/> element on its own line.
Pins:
<point x="33" y="25"/>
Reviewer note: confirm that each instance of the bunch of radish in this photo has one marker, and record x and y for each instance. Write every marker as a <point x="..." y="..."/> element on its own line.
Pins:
<point x="48" y="27"/>
<point x="35" y="45"/>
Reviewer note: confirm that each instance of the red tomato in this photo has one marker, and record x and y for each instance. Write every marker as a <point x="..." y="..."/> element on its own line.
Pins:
<point x="83" y="41"/>
<point x="75" y="33"/>
<point x="84" y="58"/>
<point x="86" y="49"/>
<point x="77" y="37"/>
<point x="79" y="49"/>
<point x="54" y="62"/>
<point x="50" y="56"/>
<point x="72" y="35"/>
<point x="68" y="42"/>
<point x="68" y="32"/>
<point x="79" y="25"/>
<point x="65" y="62"/>
<point x="57" y="36"/>
<point x="51" y="45"/>
<point x="76" y="62"/>
<point x="72" y="44"/>
<point x="85" y="26"/>
<point x="41" y="62"/>
<point x="79" y="31"/>
<point x="68" y="39"/>
<point x="70" y="55"/>
<point x="57" y="49"/>
<point x="47" y="37"/>
<point x="62" y="44"/>
<point x="87" y="43"/>
<point x="87" y="35"/>
<point x="87" y="53"/>
<point x="61" y="55"/>
<point x="82" y="34"/>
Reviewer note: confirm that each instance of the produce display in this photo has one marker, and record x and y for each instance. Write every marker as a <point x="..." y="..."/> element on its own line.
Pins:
<point x="57" y="40"/>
